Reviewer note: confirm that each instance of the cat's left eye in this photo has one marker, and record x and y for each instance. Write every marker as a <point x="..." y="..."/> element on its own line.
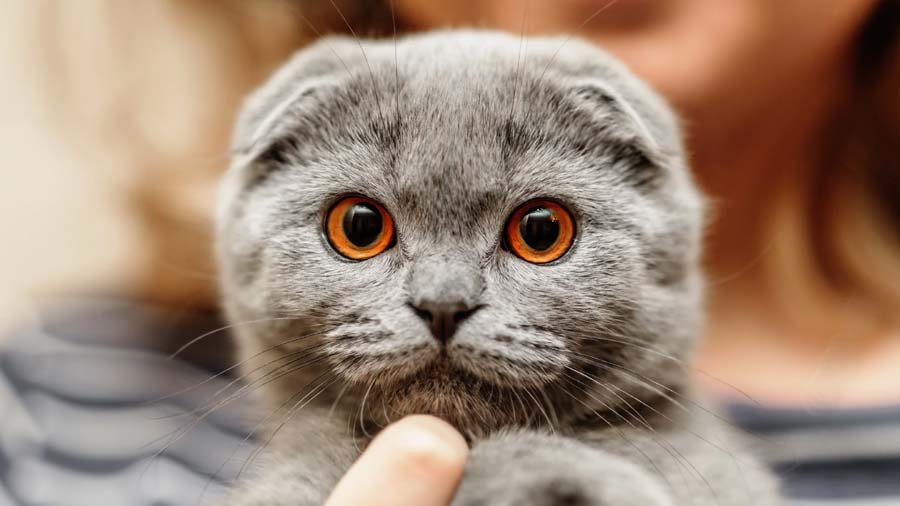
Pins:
<point x="359" y="228"/>
<point x="540" y="231"/>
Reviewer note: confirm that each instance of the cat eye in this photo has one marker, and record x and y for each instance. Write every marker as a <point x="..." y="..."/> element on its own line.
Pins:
<point x="359" y="228"/>
<point x="540" y="231"/>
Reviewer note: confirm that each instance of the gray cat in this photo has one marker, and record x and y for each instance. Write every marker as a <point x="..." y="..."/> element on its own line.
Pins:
<point x="498" y="231"/>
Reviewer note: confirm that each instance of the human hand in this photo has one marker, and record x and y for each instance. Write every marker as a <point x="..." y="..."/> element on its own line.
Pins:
<point x="417" y="461"/>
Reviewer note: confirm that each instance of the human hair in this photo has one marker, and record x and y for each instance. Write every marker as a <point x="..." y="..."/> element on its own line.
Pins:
<point x="853" y="207"/>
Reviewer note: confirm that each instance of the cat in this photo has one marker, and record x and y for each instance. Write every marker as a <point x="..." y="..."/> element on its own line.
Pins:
<point x="496" y="230"/>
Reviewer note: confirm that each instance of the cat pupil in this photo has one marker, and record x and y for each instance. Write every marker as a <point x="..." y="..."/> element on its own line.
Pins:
<point x="362" y="224"/>
<point x="539" y="228"/>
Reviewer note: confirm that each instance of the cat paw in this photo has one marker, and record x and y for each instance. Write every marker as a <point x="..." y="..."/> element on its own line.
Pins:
<point x="522" y="470"/>
<point x="565" y="491"/>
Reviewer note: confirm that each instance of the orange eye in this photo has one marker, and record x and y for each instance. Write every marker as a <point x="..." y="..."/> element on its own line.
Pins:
<point x="359" y="228"/>
<point x="540" y="231"/>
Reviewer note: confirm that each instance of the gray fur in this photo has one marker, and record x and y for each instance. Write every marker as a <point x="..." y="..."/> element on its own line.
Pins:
<point x="570" y="380"/>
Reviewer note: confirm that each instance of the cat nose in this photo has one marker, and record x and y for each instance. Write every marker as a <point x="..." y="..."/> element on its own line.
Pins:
<point x="443" y="317"/>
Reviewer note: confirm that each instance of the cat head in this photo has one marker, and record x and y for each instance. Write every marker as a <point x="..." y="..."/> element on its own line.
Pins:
<point x="468" y="224"/>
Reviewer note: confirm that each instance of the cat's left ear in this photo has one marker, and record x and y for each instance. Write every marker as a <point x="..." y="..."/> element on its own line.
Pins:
<point x="612" y="108"/>
<point x="643" y="133"/>
<point x="610" y="102"/>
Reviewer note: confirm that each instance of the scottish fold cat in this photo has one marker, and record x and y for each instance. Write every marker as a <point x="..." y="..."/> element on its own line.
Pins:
<point x="502" y="232"/>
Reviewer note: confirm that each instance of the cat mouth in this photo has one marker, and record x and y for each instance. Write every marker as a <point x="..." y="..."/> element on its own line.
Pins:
<point x="467" y="366"/>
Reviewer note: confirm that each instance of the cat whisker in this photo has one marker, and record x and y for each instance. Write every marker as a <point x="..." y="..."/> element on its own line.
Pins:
<point x="605" y="405"/>
<point x="235" y="152"/>
<point x="664" y="391"/>
<point x="664" y="416"/>
<point x="299" y="13"/>
<point x="202" y="412"/>
<point x="518" y="72"/>
<point x="384" y="413"/>
<point x="715" y="445"/>
<point x="337" y="398"/>
<point x="542" y="410"/>
<point x="324" y="384"/>
<point x="396" y="65"/>
<point x="529" y="414"/>
<point x="295" y="356"/>
<point x="223" y="328"/>
<point x="623" y="436"/>
<point x="624" y="340"/>
<point x="179" y="433"/>
<point x="731" y="386"/>
<point x="677" y="456"/>
<point x="654" y="386"/>
<point x="652" y="433"/>
<point x="233" y="367"/>
<point x="252" y="433"/>
<point x="366" y="59"/>
<point x="292" y="358"/>
<point x="362" y="408"/>
<point x="550" y="405"/>
<point x="351" y="429"/>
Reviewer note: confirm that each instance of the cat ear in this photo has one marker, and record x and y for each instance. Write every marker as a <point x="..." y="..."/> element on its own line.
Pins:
<point x="290" y="95"/>
<point x="629" y="135"/>
<point x="608" y="105"/>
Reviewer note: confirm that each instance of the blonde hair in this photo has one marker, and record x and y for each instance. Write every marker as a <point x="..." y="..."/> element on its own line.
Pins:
<point x="154" y="87"/>
<point x="168" y="76"/>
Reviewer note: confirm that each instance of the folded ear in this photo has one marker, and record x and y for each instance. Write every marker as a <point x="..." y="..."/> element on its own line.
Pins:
<point x="624" y="132"/>
<point x="291" y="94"/>
<point x="609" y="106"/>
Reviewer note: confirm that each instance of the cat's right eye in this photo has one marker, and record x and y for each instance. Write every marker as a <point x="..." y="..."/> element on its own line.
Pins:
<point x="359" y="228"/>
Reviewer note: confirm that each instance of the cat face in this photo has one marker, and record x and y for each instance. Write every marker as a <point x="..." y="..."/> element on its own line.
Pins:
<point x="460" y="222"/>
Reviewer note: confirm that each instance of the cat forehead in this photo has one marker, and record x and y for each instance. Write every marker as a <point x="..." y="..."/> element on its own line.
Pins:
<point x="459" y="138"/>
<point x="453" y="120"/>
<point x="439" y="81"/>
<point x="459" y="70"/>
<point x="448" y="103"/>
<point x="456" y="72"/>
<point x="456" y="52"/>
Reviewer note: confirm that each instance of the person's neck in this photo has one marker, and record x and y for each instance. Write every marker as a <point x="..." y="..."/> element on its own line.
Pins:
<point x="746" y="161"/>
<point x="769" y="152"/>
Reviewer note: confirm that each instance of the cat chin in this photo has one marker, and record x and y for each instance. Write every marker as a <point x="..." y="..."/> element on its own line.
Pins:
<point x="473" y="406"/>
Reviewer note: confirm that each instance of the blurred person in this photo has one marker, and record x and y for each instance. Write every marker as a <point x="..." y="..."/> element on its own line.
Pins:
<point x="792" y="114"/>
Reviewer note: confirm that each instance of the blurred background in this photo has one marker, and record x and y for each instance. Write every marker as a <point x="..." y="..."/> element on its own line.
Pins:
<point x="116" y="121"/>
<point x="116" y="118"/>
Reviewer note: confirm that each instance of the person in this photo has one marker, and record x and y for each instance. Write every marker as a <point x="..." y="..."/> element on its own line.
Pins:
<point x="792" y="117"/>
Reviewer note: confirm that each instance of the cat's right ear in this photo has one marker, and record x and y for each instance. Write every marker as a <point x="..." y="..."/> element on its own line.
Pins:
<point x="290" y="96"/>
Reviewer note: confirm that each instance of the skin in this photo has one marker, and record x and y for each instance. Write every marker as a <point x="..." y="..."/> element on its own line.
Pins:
<point x="725" y="133"/>
<point x="417" y="461"/>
